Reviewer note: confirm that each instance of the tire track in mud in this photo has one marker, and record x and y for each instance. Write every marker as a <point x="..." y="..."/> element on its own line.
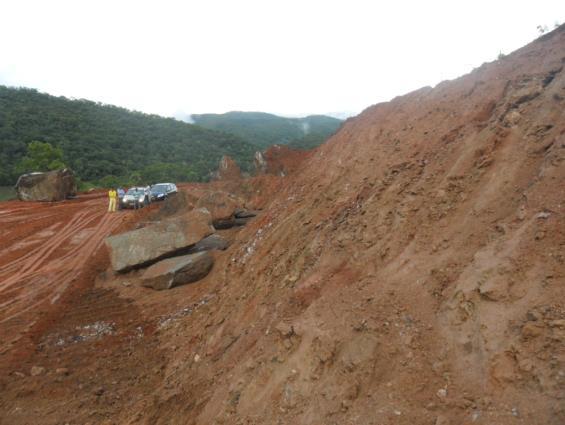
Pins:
<point x="39" y="221"/>
<point x="30" y="283"/>
<point x="31" y="261"/>
<point x="82" y="210"/>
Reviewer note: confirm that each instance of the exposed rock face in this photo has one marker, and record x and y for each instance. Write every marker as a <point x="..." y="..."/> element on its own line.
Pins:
<point x="210" y="243"/>
<point x="260" y="163"/>
<point x="228" y="170"/>
<point x="222" y="206"/>
<point x="176" y="271"/>
<point x="279" y="160"/>
<point x="148" y="245"/>
<point x="49" y="186"/>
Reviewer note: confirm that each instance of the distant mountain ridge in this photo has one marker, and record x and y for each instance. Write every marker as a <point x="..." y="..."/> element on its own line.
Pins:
<point x="262" y="129"/>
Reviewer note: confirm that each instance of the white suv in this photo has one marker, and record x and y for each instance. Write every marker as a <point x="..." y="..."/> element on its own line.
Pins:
<point x="136" y="197"/>
<point x="170" y="188"/>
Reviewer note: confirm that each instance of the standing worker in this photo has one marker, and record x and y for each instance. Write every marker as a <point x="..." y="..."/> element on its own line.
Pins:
<point x="112" y="194"/>
<point x="121" y="192"/>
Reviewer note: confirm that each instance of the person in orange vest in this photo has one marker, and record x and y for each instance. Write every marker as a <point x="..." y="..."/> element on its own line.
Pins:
<point x="112" y="194"/>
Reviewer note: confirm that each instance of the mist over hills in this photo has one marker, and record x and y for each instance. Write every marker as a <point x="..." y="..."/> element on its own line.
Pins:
<point x="263" y="129"/>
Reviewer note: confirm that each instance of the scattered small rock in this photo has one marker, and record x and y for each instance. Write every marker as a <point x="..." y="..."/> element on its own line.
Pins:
<point x="62" y="371"/>
<point x="99" y="391"/>
<point x="557" y="323"/>
<point x="442" y="420"/>
<point x="521" y="214"/>
<point x="543" y="215"/>
<point x="531" y="330"/>
<point x="37" y="370"/>
<point x="285" y="329"/>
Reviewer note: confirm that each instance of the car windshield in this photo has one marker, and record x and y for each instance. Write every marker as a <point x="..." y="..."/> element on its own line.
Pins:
<point x="133" y="192"/>
<point x="158" y="189"/>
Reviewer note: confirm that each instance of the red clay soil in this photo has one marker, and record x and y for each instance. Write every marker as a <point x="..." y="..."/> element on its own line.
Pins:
<point x="282" y="160"/>
<point x="410" y="271"/>
<point x="49" y="250"/>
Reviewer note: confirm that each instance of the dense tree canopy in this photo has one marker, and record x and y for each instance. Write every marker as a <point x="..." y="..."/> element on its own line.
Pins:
<point x="264" y="130"/>
<point x="41" y="157"/>
<point x="107" y="142"/>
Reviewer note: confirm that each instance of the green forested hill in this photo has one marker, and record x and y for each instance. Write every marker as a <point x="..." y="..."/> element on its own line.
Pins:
<point x="107" y="143"/>
<point x="264" y="130"/>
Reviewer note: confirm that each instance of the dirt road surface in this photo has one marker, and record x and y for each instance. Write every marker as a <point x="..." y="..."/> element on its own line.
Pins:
<point x="43" y="252"/>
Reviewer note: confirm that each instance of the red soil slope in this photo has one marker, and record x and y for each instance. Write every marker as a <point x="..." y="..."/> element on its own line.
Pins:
<point x="411" y="271"/>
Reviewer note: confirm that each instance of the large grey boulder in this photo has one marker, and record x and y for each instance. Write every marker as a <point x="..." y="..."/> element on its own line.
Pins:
<point x="145" y="246"/>
<point x="176" y="271"/>
<point x="222" y="206"/>
<point x="50" y="186"/>
<point x="210" y="243"/>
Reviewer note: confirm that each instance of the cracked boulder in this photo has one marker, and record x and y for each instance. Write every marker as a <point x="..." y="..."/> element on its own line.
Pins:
<point x="222" y="206"/>
<point x="48" y="187"/>
<point x="211" y="243"/>
<point x="167" y="274"/>
<point x="145" y="246"/>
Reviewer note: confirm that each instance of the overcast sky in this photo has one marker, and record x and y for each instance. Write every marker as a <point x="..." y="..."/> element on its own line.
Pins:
<point x="287" y="57"/>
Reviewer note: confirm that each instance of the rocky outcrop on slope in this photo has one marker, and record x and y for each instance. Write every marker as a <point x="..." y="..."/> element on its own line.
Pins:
<point x="172" y="272"/>
<point x="48" y="186"/>
<point x="222" y="206"/>
<point x="260" y="163"/>
<point x="228" y="170"/>
<point x="141" y="247"/>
